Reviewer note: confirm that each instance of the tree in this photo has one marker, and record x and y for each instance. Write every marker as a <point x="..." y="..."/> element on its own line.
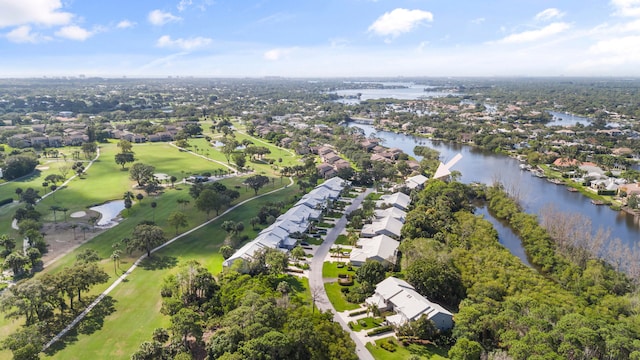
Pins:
<point x="30" y="196"/>
<point x="89" y="149"/>
<point x="437" y="280"/>
<point x="465" y="349"/>
<point x="154" y="205"/>
<point x="25" y="343"/>
<point x="18" y="165"/>
<point x="88" y="256"/>
<point x="78" y="167"/>
<point x="125" y="146"/>
<point x="123" y="159"/>
<point x="240" y="160"/>
<point x="371" y="272"/>
<point x="178" y="219"/>
<point x="145" y="238"/>
<point x="228" y="147"/>
<point x="184" y="324"/>
<point x="8" y="243"/>
<point x="16" y="262"/>
<point x="298" y="253"/>
<point x="182" y="202"/>
<point x="115" y="256"/>
<point x="256" y="182"/>
<point x="141" y="173"/>
<point x="209" y="200"/>
<point x="53" y="178"/>
<point x="173" y="180"/>
<point x="139" y="197"/>
<point x="254" y="221"/>
<point x="226" y="251"/>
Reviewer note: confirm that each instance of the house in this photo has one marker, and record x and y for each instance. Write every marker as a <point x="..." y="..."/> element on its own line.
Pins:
<point x="416" y="182"/>
<point x="381" y="248"/>
<point x="386" y="226"/>
<point x="399" y="296"/>
<point x="295" y="221"/>
<point x="393" y="212"/>
<point x="399" y="200"/>
<point x="325" y="170"/>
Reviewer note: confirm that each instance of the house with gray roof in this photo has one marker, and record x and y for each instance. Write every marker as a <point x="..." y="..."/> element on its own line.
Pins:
<point x="399" y="296"/>
<point x="381" y="248"/>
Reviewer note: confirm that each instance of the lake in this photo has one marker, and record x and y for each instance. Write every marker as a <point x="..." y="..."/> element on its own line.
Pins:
<point x="535" y="194"/>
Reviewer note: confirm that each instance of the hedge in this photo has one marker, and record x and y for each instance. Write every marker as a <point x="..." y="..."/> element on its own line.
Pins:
<point x="359" y="312"/>
<point x="380" y="330"/>
<point x="6" y="201"/>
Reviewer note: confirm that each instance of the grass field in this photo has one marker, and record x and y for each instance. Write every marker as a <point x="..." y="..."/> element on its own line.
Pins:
<point x="429" y="352"/>
<point x="138" y="300"/>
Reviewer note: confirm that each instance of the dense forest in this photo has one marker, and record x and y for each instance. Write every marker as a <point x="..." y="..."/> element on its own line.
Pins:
<point x="561" y="309"/>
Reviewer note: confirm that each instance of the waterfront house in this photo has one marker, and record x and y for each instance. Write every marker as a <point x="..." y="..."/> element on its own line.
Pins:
<point x="393" y="294"/>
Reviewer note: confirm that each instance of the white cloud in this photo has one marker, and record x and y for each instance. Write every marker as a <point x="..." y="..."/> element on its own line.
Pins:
<point x="184" y="44"/>
<point x="617" y="46"/>
<point x="626" y="8"/>
<point x="23" y="34"/>
<point x="41" y="12"/>
<point x="159" y="17"/>
<point x="277" y="54"/>
<point x="399" y="21"/>
<point x="74" y="32"/>
<point x="534" y="35"/>
<point x="183" y="4"/>
<point x="549" y="14"/>
<point x="478" y="21"/>
<point x="125" y="24"/>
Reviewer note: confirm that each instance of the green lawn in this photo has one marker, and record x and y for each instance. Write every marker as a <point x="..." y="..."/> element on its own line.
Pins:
<point x="369" y="321"/>
<point x="429" y="352"/>
<point x="342" y="240"/>
<point x="139" y="297"/>
<point x="331" y="270"/>
<point x="337" y="299"/>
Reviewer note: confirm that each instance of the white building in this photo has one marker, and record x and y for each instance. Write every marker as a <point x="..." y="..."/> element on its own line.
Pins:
<point x="399" y="200"/>
<point x="381" y="248"/>
<point x="402" y="298"/>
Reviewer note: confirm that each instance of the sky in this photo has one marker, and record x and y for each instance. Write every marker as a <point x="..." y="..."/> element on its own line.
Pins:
<point x="319" y="38"/>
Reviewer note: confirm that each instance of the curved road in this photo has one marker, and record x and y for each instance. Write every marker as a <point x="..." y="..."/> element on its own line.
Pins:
<point x="315" y="274"/>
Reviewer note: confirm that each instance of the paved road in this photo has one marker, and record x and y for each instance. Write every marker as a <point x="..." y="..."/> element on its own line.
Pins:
<point x="315" y="274"/>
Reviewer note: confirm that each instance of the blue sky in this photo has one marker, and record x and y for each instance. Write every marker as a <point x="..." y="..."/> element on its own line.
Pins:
<point x="313" y="38"/>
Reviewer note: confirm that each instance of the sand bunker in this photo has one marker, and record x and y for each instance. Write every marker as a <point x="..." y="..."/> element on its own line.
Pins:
<point x="78" y="214"/>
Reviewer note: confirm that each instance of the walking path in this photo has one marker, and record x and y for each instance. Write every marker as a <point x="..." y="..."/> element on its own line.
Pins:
<point x="122" y="277"/>
<point x="315" y="275"/>
<point x="204" y="157"/>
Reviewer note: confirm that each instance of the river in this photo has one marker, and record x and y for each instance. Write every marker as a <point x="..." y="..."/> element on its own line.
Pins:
<point x="535" y="194"/>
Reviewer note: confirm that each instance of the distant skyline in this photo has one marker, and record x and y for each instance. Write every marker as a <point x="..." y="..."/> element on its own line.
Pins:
<point x="311" y="38"/>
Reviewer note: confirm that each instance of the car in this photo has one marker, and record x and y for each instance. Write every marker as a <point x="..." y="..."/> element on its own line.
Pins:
<point x="304" y="243"/>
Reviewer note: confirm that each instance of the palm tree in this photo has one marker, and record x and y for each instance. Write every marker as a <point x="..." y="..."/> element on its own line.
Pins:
<point x="115" y="256"/>
<point x="54" y="208"/>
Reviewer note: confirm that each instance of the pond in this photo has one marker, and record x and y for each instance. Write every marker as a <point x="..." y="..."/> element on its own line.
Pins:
<point x="108" y="212"/>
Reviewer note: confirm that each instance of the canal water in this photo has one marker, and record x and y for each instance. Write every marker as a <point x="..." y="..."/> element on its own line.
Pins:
<point x="535" y="194"/>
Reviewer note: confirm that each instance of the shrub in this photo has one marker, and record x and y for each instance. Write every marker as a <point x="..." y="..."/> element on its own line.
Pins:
<point x="344" y="290"/>
<point x="340" y="265"/>
<point x="363" y="323"/>
<point x="6" y="201"/>
<point x="380" y="330"/>
<point x="348" y="281"/>
<point x="356" y="313"/>
<point x="343" y="276"/>
<point x="388" y="345"/>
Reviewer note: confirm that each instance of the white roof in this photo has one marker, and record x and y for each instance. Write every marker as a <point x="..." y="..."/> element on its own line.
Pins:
<point x="415" y="181"/>
<point x="398" y="199"/>
<point x="379" y="247"/>
<point x="294" y="220"/>
<point x="393" y="212"/>
<point x="380" y="226"/>
<point x="335" y="183"/>
<point x="408" y="303"/>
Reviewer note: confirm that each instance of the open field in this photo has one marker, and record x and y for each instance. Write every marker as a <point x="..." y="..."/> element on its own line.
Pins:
<point x="428" y="352"/>
<point x="138" y="300"/>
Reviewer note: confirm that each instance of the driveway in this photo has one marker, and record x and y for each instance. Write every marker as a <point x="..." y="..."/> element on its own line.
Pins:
<point x="315" y="274"/>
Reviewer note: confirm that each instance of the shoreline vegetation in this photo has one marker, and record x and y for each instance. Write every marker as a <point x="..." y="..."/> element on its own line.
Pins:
<point x="577" y="299"/>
